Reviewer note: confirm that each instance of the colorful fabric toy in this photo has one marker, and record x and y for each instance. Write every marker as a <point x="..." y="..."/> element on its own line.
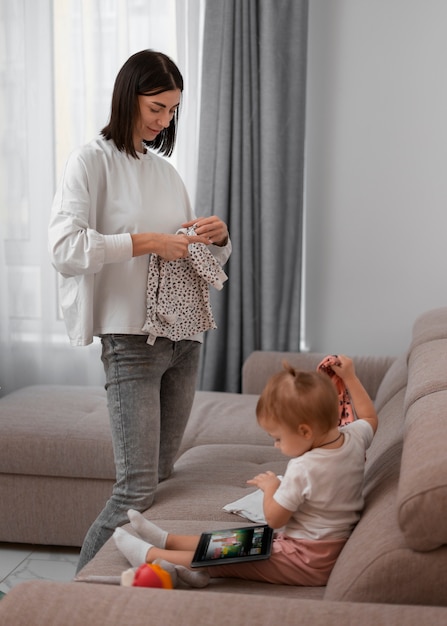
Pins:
<point x="149" y="575"/>
<point x="163" y="575"/>
<point x="346" y="409"/>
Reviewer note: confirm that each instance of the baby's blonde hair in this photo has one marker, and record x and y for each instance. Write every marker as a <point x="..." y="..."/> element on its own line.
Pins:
<point x="294" y="397"/>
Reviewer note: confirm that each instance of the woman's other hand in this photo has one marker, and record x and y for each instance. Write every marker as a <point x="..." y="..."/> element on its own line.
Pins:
<point x="212" y="228"/>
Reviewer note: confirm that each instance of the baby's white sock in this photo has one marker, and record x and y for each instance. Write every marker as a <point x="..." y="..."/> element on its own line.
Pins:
<point x="147" y="530"/>
<point x="133" y="548"/>
<point x="194" y="578"/>
<point x="197" y="578"/>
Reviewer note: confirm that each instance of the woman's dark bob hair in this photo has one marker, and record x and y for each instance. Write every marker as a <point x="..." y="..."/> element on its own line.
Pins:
<point x="144" y="73"/>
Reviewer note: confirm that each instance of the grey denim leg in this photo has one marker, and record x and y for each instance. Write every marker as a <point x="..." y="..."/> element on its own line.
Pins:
<point x="150" y="390"/>
<point x="178" y="387"/>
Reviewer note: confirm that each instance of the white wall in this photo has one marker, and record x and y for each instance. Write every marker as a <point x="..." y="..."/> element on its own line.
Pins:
<point x="377" y="171"/>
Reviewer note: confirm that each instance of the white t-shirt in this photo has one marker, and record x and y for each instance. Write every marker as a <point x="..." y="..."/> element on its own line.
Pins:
<point x="104" y="197"/>
<point x="324" y="487"/>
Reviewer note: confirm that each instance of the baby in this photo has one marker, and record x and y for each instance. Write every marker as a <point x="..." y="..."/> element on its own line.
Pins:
<point x="315" y="506"/>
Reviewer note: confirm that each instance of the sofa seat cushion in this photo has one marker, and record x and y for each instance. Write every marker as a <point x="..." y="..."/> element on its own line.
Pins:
<point x="56" y="430"/>
<point x="206" y="478"/>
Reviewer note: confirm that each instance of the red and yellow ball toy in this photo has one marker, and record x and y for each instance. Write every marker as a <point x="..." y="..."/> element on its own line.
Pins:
<point x="152" y="575"/>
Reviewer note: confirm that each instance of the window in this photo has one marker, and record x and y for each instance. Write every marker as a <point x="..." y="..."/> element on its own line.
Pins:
<point x="58" y="64"/>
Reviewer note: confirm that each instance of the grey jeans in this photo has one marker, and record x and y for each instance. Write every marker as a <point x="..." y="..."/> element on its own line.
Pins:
<point x="150" y="390"/>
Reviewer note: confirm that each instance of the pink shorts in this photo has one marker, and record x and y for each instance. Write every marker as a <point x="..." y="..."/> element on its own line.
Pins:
<point x="293" y="562"/>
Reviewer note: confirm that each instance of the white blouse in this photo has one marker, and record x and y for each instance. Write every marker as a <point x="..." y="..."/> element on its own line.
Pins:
<point x="104" y="197"/>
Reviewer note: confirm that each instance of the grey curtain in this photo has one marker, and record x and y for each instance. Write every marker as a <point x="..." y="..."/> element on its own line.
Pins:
<point x="250" y="173"/>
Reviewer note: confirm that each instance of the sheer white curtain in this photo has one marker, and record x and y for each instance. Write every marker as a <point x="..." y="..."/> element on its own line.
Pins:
<point x="58" y="62"/>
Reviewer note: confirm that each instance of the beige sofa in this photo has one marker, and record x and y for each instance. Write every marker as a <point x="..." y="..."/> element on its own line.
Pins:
<point x="393" y="569"/>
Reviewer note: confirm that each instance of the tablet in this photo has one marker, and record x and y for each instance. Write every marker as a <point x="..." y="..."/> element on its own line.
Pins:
<point x="234" y="545"/>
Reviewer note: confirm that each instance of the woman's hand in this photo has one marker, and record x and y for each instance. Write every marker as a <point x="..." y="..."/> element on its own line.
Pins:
<point x="213" y="228"/>
<point x="168" y="247"/>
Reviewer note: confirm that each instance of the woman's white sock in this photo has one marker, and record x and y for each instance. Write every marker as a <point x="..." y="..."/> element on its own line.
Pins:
<point x="147" y="530"/>
<point x="133" y="548"/>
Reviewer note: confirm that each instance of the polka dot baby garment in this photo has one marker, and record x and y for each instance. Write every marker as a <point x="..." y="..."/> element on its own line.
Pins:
<point x="178" y="300"/>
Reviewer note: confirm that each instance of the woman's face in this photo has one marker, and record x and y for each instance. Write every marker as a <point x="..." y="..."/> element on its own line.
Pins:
<point x="155" y="114"/>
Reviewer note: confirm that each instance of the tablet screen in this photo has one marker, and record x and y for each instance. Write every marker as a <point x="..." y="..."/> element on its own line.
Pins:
<point x="234" y="545"/>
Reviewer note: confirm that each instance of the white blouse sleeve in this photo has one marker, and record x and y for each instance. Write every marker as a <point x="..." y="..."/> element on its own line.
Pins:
<point x="75" y="246"/>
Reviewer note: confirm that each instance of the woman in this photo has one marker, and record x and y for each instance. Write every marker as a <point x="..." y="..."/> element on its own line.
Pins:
<point x="117" y="203"/>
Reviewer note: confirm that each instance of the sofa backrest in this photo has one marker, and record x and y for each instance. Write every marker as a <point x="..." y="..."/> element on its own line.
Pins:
<point x="422" y="493"/>
<point x="396" y="553"/>
<point x="260" y="365"/>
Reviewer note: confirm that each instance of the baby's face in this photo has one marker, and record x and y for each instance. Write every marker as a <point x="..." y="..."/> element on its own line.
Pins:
<point x="291" y="441"/>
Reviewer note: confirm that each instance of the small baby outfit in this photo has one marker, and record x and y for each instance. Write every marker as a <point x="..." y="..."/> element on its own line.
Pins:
<point x="178" y="301"/>
<point x="346" y="409"/>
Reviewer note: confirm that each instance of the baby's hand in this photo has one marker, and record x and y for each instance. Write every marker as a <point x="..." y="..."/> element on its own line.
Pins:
<point x="343" y="366"/>
<point x="266" y="481"/>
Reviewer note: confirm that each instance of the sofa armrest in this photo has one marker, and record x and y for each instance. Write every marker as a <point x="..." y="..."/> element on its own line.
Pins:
<point x="260" y="365"/>
<point x="44" y="603"/>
